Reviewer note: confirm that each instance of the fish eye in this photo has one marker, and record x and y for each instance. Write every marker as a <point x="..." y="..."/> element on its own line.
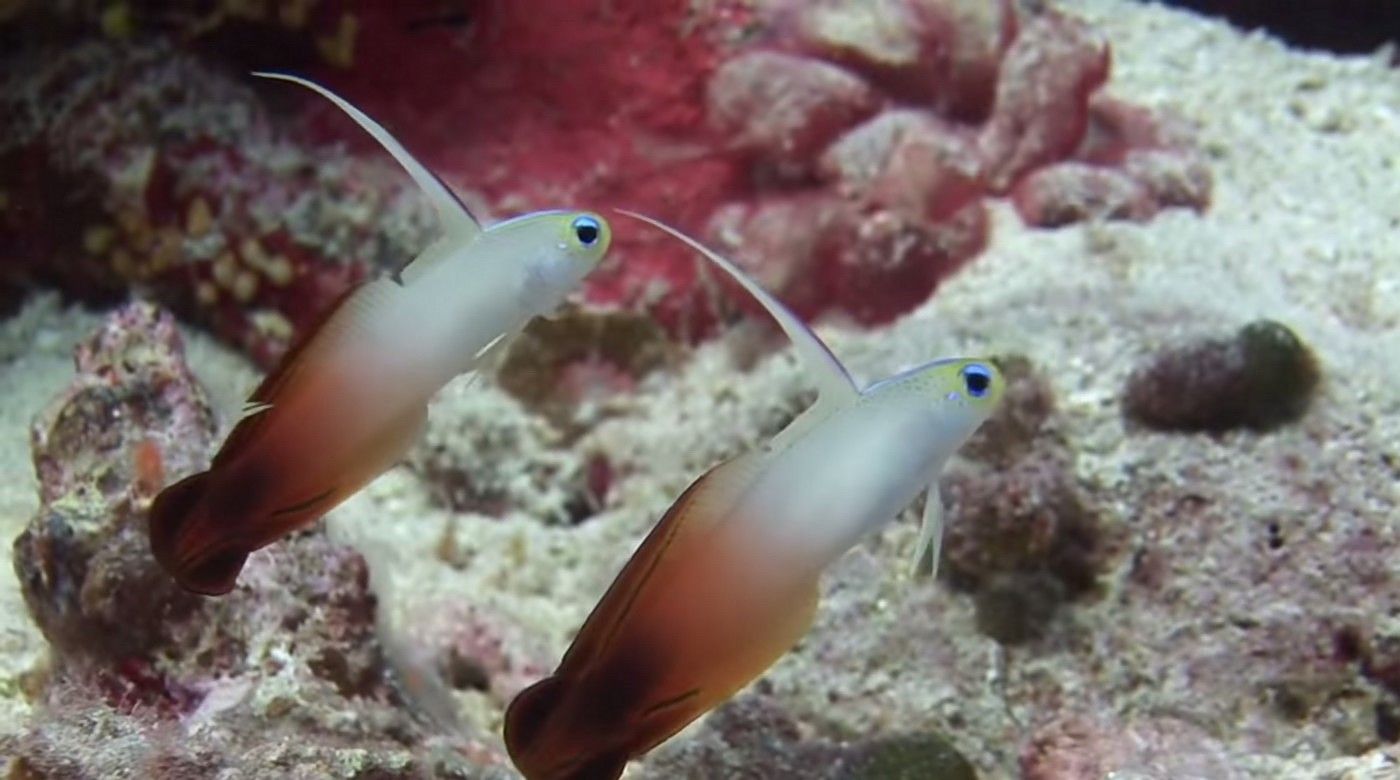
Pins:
<point x="587" y="230"/>
<point x="977" y="378"/>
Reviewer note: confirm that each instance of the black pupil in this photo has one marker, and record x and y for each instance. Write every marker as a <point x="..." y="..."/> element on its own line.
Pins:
<point x="977" y="382"/>
<point x="587" y="232"/>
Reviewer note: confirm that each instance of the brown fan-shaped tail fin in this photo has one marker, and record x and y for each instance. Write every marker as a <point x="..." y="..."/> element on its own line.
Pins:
<point x="526" y="716"/>
<point x="213" y="576"/>
<point x="170" y="515"/>
<point x="177" y="534"/>
<point x="604" y="767"/>
<point x="534" y="748"/>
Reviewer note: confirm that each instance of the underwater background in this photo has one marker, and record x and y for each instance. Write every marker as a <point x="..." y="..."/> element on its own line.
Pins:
<point x="1172" y="553"/>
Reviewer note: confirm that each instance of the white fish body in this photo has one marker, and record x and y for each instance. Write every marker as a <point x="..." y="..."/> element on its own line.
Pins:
<point x="727" y="581"/>
<point x="349" y="401"/>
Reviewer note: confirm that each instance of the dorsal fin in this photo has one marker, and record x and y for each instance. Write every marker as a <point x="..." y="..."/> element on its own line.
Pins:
<point x="457" y="222"/>
<point x="705" y="502"/>
<point x="834" y="384"/>
<point x="343" y="319"/>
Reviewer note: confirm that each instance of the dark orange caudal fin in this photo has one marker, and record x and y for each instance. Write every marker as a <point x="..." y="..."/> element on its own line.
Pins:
<point x="601" y="747"/>
<point x="605" y="767"/>
<point x="526" y="716"/>
<point x="204" y="553"/>
<point x="179" y="543"/>
<point x="525" y="722"/>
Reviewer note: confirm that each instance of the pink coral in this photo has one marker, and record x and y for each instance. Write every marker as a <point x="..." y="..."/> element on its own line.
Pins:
<point x="907" y="160"/>
<point x="1075" y="746"/>
<point x="842" y="149"/>
<point x="1042" y="99"/>
<point x="940" y="52"/>
<point x="783" y="107"/>
<point x="978" y="100"/>
<point x="1129" y="165"/>
<point x="144" y="167"/>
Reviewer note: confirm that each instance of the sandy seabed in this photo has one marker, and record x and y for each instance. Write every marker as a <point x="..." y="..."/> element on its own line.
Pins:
<point x="1304" y="228"/>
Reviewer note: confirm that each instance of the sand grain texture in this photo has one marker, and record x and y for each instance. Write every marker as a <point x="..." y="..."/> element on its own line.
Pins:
<point x="1304" y="228"/>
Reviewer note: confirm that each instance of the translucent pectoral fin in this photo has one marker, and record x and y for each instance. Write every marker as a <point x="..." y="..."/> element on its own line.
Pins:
<point x="487" y="359"/>
<point x="490" y="356"/>
<point x="930" y="544"/>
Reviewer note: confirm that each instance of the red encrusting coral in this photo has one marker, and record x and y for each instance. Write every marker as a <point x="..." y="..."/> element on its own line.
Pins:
<point x="843" y="151"/>
<point x="133" y="684"/>
<point x="750" y="144"/>
<point x="142" y="167"/>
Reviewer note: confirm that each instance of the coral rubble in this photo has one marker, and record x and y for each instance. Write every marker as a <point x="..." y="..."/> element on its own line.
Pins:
<point x="83" y="561"/>
<point x="1262" y="378"/>
<point x="752" y="737"/>
<point x="842" y="150"/>
<point x="1116" y="597"/>
<point x="286" y="674"/>
<point x="141" y="165"/>
<point x="1023" y="535"/>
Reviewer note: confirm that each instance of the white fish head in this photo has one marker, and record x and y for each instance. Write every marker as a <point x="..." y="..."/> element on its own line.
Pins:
<point x="555" y="250"/>
<point x="963" y="392"/>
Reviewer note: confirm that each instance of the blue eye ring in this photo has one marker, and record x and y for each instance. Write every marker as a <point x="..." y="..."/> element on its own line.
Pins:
<point x="977" y="378"/>
<point x="587" y="230"/>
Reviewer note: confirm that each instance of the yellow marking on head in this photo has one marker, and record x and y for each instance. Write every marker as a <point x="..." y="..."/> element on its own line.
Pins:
<point x="975" y="383"/>
<point x="585" y="235"/>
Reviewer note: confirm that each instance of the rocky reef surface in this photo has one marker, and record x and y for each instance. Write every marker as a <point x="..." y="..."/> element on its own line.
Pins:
<point x="1125" y="588"/>
<point x="845" y="151"/>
